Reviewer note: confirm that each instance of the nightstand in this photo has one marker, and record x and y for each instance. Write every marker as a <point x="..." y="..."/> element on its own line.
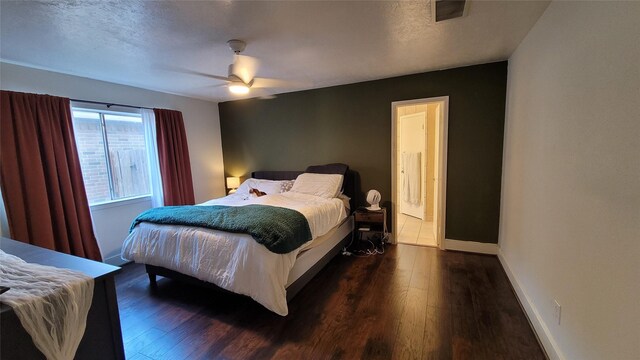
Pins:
<point x="370" y="225"/>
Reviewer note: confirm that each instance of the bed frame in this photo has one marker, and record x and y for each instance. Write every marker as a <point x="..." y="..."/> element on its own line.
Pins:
<point x="337" y="241"/>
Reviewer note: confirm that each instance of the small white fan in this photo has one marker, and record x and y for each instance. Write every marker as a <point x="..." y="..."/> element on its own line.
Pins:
<point x="373" y="198"/>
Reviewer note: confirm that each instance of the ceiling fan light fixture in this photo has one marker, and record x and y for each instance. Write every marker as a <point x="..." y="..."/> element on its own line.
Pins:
<point x="239" y="89"/>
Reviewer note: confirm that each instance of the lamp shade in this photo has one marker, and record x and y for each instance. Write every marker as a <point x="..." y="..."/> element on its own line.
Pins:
<point x="233" y="182"/>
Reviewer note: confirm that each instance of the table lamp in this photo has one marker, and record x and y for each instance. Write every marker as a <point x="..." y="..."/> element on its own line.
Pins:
<point x="233" y="183"/>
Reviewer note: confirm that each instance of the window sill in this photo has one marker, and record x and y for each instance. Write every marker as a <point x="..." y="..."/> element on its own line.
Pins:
<point x="121" y="202"/>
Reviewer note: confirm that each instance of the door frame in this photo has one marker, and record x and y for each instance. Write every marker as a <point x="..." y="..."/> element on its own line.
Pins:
<point x="441" y="200"/>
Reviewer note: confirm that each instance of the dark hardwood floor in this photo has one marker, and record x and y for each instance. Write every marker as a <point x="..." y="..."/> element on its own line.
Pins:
<point x="410" y="303"/>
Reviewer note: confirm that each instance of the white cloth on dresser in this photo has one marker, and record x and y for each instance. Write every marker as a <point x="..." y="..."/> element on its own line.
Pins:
<point x="51" y="303"/>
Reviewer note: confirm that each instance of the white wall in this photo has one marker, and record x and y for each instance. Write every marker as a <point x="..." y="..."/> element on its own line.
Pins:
<point x="570" y="225"/>
<point x="201" y="120"/>
<point x="111" y="225"/>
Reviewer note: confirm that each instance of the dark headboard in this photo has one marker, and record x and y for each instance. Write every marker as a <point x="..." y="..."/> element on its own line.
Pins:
<point x="349" y="184"/>
<point x="276" y="175"/>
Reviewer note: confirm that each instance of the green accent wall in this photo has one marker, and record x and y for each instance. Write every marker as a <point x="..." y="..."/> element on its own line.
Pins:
<point x="352" y="124"/>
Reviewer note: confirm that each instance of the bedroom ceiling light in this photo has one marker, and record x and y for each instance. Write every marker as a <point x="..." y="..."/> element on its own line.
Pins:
<point x="239" y="88"/>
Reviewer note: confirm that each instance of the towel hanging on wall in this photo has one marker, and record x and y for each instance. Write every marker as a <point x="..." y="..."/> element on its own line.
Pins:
<point x="412" y="171"/>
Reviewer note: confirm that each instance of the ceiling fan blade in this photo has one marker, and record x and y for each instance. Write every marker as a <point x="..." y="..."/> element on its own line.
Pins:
<point x="210" y="86"/>
<point x="196" y="73"/>
<point x="278" y="84"/>
<point x="263" y="94"/>
<point x="245" y="67"/>
<point x="217" y="77"/>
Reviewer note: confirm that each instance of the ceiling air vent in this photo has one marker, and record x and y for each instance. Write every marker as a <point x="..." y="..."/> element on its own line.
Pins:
<point x="449" y="9"/>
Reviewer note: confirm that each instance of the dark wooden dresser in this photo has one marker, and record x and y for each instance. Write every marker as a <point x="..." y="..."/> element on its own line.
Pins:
<point x="102" y="338"/>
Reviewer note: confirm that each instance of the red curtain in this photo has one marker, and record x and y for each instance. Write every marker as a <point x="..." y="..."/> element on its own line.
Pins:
<point x="173" y="155"/>
<point x="40" y="175"/>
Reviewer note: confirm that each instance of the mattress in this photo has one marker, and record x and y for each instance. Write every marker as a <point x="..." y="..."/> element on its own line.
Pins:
<point x="235" y="262"/>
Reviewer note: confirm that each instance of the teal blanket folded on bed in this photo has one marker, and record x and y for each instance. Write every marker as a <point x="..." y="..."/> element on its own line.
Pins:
<point x="279" y="229"/>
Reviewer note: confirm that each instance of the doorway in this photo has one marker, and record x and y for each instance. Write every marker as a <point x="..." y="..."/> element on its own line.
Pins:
<point x="419" y="130"/>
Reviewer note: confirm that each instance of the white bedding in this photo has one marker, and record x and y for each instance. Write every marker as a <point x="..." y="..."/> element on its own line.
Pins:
<point x="235" y="262"/>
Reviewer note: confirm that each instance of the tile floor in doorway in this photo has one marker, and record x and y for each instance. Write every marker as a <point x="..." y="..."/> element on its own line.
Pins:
<point x="415" y="231"/>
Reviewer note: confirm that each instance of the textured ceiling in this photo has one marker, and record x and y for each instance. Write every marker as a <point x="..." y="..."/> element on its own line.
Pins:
<point x="318" y="44"/>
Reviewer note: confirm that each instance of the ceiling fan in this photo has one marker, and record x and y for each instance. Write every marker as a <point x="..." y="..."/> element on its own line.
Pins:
<point x="242" y="73"/>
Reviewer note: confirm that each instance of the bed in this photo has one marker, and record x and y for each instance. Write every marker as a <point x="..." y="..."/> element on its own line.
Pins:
<point x="236" y="262"/>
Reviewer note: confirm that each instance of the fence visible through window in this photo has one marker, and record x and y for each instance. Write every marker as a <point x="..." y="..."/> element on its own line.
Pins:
<point x="116" y="139"/>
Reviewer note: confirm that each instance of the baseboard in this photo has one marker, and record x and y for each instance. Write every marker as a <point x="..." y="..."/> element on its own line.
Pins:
<point x="471" y="246"/>
<point x="539" y="326"/>
<point x="115" y="260"/>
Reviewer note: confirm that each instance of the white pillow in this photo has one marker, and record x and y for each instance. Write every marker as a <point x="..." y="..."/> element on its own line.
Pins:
<point x="286" y="185"/>
<point x="266" y="186"/>
<point x="323" y="185"/>
<point x="345" y="200"/>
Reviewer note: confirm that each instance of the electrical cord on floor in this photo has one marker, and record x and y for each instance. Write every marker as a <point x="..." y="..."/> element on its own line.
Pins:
<point x="373" y="250"/>
<point x="345" y="250"/>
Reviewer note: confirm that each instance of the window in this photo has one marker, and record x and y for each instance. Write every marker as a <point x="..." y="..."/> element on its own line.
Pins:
<point x="113" y="154"/>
